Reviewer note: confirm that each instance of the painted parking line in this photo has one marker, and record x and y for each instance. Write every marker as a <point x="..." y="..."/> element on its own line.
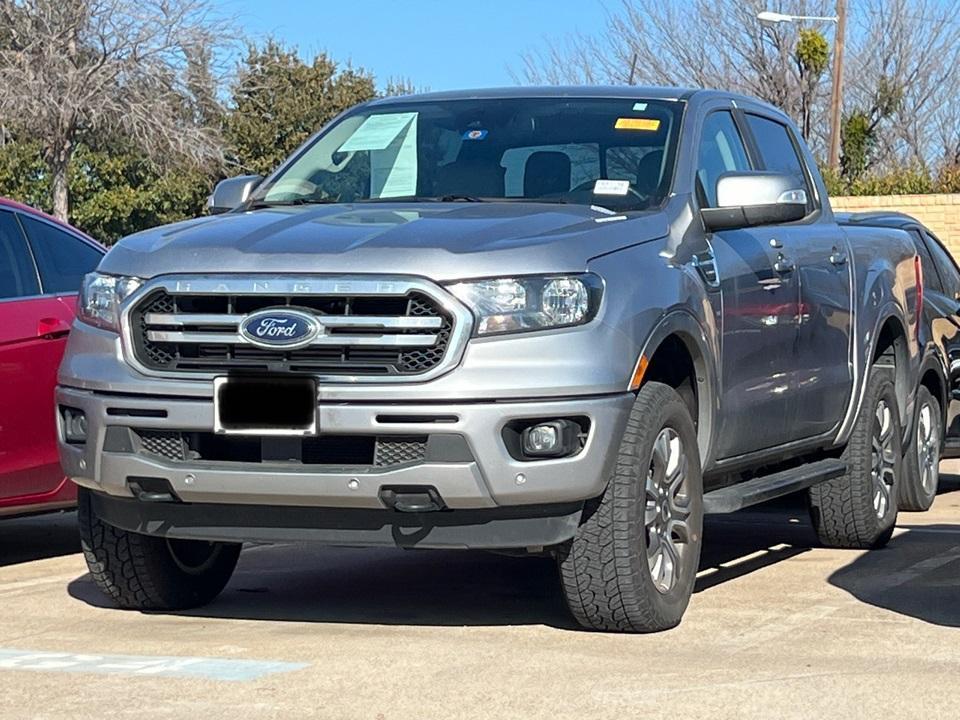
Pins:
<point x="144" y="665"/>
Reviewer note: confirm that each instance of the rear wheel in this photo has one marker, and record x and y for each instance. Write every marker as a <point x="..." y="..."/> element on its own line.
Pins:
<point x="633" y="562"/>
<point x="142" y="572"/>
<point x="921" y="462"/>
<point x="859" y="509"/>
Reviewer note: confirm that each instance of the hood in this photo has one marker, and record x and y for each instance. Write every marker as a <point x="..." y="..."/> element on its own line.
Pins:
<point x="441" y="241"/>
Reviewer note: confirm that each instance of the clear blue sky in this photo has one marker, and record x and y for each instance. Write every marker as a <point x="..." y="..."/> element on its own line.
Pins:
<point x="441" y="44"/>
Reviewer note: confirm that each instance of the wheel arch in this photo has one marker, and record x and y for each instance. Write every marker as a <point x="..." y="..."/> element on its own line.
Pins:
<point x="677" y="351"/>
<point x="933" y="376"/>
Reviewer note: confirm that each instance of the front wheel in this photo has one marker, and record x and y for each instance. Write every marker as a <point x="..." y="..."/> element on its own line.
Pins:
<point x="631" y="566"/>
<point x="142" y="572"/>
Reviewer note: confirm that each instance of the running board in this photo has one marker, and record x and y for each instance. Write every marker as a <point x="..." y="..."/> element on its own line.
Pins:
<point x="736" y="497"/>
<point x="951" y="447"/>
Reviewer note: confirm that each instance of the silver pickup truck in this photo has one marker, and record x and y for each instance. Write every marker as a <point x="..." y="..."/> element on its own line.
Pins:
<point x="562" y="321"/>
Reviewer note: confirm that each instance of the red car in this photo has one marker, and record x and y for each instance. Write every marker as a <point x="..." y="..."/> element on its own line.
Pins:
<point x="42" y="263"/>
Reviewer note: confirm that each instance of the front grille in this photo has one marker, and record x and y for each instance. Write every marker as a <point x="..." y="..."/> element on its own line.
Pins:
<point x="402" y="335"/>
<point x="332" y="450"/>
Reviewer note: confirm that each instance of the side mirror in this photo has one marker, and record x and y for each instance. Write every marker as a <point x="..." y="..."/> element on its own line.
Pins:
<point x="232" y="192"/>
<point x="749" y="199"/>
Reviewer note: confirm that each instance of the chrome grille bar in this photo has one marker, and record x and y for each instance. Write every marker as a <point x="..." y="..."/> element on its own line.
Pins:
<point x="330" y="321"/>
<point x="228" y="338"/>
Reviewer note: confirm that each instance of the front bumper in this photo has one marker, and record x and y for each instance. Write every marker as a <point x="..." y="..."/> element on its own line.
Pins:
<point x="484" y="477"/>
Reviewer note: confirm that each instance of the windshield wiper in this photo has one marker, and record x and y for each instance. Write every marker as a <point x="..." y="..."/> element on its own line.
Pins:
<point x="259" y="204"/>
<point x="424" y="198"/>
<point x="461" y="198"/>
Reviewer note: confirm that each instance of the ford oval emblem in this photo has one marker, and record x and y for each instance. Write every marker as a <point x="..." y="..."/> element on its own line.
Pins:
<point x="280" y="328"/>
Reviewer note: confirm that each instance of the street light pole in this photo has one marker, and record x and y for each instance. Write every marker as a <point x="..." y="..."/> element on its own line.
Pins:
<point x="836" y="95"/>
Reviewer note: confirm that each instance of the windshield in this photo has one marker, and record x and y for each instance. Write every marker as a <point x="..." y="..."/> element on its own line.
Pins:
<point x="617" y="153"/>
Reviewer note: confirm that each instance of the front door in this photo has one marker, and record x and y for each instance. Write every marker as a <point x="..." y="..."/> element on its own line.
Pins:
<point x="756" y="308"/>
<point x="822" y="362"/>
<point x="759" y="294"/>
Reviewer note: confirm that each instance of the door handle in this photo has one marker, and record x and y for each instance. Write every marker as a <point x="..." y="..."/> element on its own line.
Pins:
<point x="783" y="264"/>
<point x="51" y="328"/>
<point x="837" y="257"/>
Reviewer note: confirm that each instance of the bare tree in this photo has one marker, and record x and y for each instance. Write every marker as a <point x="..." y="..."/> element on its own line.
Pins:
<point x="109" y="66"/>
<point x="703" y="43"/>
<point x="904" y="72"/>
<point x="903" y="67"/>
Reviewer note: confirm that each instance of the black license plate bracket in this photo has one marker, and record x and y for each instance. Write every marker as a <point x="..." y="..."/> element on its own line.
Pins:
<point x="265" y="405"/>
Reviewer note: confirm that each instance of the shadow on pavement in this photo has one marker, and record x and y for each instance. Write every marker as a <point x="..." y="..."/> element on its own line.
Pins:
<point x="38" y="537"/>
<point x="750" y="540"/>
<point x="915" y="576"/>
<point x="305" y="583"/>
<point x="918" y="573"/>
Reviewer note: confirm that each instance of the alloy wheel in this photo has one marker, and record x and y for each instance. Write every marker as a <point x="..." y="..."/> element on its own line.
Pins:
<point x="928" y="448"/>
<point x="667" y="510"/>
<point x="883" y="459"/>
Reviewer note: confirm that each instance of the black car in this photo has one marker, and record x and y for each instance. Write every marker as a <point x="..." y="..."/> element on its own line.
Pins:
<point x="940" y="337"/>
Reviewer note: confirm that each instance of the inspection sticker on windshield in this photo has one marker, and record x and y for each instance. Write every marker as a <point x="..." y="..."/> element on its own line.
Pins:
<point x="611" y="187"/>
<point x="474" y="134"/>
<point x="648" y="124"/>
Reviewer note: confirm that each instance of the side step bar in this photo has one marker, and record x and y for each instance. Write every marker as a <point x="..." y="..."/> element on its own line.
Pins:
<point x="736" y="497"/>
<point x="951" y="447"/>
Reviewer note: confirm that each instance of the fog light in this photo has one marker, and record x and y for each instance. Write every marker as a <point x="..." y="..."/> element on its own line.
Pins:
<point x="555" y="438"/>
<point x="74" y="425"/>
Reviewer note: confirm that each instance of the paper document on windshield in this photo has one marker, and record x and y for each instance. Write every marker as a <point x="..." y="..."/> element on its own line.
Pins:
<point x="393" y="170"/>
<point x="378" y="131"/>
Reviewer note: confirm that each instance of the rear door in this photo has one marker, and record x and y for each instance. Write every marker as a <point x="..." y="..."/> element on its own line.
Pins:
<point x="28" y="366"/>
<point x="818" y="252"/>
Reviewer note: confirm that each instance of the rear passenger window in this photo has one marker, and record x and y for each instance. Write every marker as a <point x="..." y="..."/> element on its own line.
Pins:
<point x="62" y="259"/>
<point x="778" y="153"/>
<point x="721" y="151"/>
<point x="949" y="275"/>
<point x="18" y="278"/>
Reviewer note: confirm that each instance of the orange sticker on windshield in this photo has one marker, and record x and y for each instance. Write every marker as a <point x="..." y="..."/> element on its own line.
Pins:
<point x="648" y="124"/>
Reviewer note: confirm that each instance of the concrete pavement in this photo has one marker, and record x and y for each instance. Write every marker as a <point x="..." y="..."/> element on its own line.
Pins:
<point x="778" y="628"/>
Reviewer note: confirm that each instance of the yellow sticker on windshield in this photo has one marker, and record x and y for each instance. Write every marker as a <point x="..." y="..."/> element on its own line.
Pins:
<point x="648" y="124"/>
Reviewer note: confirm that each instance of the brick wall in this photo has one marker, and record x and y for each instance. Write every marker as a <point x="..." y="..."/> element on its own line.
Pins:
<point x="940" y="213"/>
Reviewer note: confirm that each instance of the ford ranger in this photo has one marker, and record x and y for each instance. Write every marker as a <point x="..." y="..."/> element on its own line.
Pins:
<point x="562" y="321"/>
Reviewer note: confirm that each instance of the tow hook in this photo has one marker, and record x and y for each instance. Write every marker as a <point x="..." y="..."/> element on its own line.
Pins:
<point x="412" y="498"/>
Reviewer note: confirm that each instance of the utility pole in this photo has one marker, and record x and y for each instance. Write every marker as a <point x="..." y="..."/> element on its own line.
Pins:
<point x="836" y="96"/>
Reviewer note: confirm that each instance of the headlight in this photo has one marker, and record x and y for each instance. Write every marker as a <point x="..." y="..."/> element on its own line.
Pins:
<point x="504" y="305"/>
<point x="100" y="299"/>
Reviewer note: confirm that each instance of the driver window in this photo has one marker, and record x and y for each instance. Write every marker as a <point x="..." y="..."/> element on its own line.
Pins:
<point x="721" y="151"/>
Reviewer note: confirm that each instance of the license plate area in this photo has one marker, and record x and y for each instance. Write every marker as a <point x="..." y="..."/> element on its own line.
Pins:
<point x="265" y="406"/>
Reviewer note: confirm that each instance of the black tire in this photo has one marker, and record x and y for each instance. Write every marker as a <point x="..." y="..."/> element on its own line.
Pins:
<point x="141" y="572"/>
<point x="921" y="461"/>
<point x="854" y="511"/>
<point x="606" y="574"/>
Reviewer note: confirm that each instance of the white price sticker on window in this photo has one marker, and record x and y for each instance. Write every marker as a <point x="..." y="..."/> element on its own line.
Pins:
<point x="611" y="187"/>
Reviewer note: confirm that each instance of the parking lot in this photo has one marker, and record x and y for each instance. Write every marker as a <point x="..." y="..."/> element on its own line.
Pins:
<point x="777" y="628"/>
